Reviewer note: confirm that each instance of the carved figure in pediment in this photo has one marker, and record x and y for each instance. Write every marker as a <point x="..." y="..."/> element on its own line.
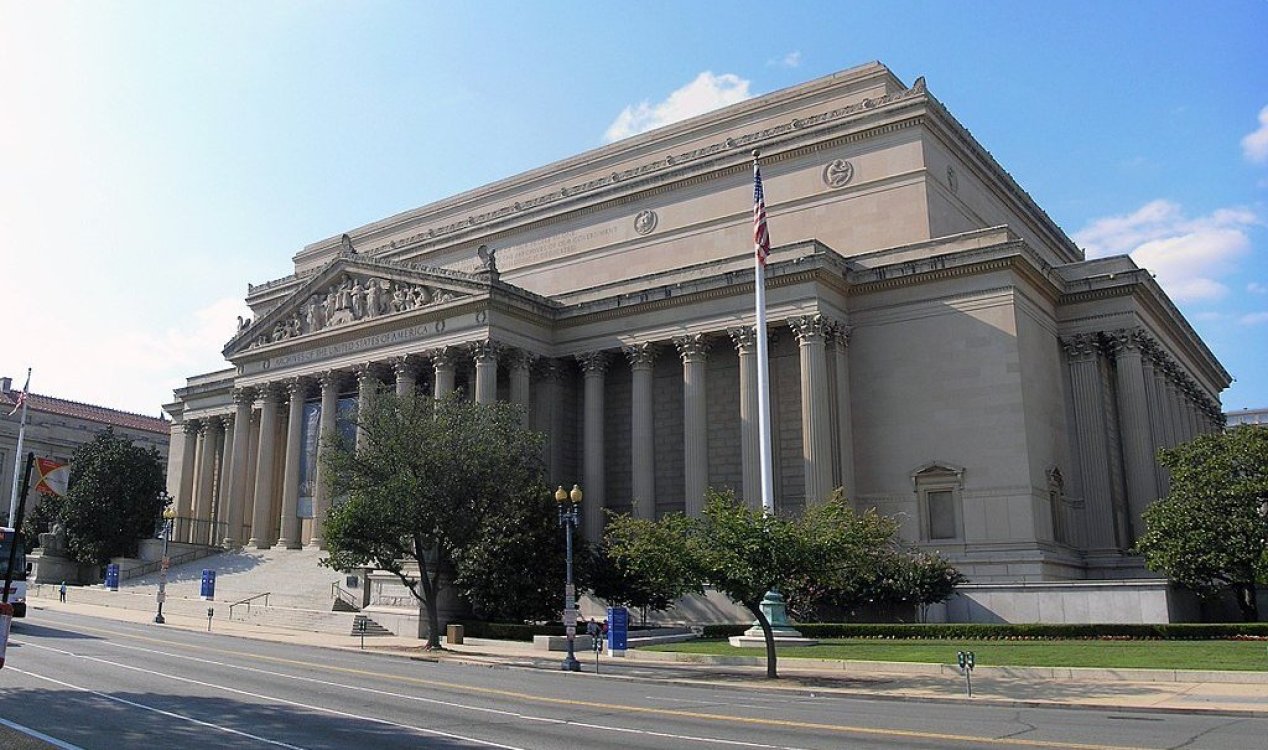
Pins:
<point x="314" y="315"/>
<point x="358" y="300"/>
<point x="374" y="298"/>
<point x="343" y="295"/>
<point x="243" y="323"/>
<point x="400" y="299"/>
<point x="442" y="295"/>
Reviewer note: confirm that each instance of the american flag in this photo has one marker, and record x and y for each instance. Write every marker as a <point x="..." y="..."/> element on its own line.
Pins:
<point x="761" y="240"/>
<point x="21" y="399"/>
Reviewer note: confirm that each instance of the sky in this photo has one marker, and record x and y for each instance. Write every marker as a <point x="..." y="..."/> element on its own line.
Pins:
<point x="155" y="157"/>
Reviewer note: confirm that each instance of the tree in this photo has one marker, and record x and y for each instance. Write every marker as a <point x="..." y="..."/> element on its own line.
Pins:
<point x="1210" y="532"/>
<point x="114" y="498"/>
<point x="745" y="553"/>
<point x="641" y="565"/>
<point x="440" y="484"/>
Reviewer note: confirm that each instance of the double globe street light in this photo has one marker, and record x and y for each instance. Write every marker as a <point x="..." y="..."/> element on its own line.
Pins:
<point x="569" y="515"/>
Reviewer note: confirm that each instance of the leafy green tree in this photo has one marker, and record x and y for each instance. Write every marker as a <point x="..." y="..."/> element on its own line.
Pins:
<point x="1210" y="532"/>
<point x="918" y="578"/>
<point x="41" y="519"/>
<point x="641" y="564"/>
<point x="113" y="500"/>
<point x="440" y="484"/>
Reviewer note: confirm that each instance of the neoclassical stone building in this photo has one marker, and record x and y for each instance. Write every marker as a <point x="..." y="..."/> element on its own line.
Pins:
<point x="939" y="346"/>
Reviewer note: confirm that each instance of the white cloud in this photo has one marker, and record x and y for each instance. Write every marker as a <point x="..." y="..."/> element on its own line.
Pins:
<point x="706" y="93"/>
<point x="1253" y="319"/>
<point x="790" y="60"/>
<point x="1187" y="256"/>
<point x="1255" y="144"/>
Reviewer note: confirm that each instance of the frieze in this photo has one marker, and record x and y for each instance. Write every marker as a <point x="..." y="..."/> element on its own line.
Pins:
<point x="348" y="300"/>
<point x="672" y="160"/>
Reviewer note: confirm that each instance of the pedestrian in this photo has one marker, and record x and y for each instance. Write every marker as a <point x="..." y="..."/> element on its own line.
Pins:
<point x="592" y="630"/>
<point x="61" y="592"/>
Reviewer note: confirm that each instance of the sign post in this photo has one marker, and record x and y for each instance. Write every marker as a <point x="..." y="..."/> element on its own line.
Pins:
<point x="618" y="630"/>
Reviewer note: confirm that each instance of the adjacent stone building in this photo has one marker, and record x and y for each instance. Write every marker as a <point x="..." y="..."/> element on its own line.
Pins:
<point x="938" y="346"/>
<point x="56" y="427"/>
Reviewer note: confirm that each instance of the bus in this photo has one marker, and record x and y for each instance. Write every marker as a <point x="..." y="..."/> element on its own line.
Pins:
<point x="17" y="588"/>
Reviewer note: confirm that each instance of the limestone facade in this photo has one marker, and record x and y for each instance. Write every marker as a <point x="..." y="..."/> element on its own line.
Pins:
<point x="938" y="346"/>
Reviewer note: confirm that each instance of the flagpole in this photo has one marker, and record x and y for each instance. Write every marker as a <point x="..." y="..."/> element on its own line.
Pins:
<point x="761" y="248"/>
<point x="17" y="457"/>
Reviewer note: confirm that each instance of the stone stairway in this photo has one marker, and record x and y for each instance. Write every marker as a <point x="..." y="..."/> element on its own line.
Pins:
<point x="362" y="625"/>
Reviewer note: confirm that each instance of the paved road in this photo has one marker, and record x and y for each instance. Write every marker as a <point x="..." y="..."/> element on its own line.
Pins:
<point x="89" y="683"/>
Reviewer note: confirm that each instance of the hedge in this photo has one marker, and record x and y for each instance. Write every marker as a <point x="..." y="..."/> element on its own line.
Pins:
<point x="977" y="631"/>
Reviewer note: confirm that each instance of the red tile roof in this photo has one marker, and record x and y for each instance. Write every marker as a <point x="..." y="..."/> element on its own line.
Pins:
<point x="113" y="417"/>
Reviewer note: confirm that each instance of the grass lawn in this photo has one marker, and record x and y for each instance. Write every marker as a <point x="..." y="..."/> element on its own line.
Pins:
<point x="1221" y="655"/>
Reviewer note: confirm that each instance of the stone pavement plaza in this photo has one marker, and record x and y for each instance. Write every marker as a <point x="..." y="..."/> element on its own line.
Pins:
<point x="1242" y="693"/>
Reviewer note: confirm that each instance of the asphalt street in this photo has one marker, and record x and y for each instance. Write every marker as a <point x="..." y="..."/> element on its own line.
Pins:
<point x="82" y="682"/>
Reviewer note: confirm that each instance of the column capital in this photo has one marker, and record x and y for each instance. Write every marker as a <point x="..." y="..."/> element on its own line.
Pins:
<point x="406" y="365"/>
<point x="744" y="338"/>
<point x="330" y="378"/>
<point x="810" y="328"/>
<point x="365" y="372"/>
<point x="839" y="334"/>
<point x="549" y="369"/>
<point x="692" y="347"/>
<point x="1126" y="341"/>
<point x="1081" y="346"/>
<point x="641" y="355"/>
<point x="193" y="426"/>
<point x="245" y="395"/>
<point x="298" y="387"/>
<point x="593" y="362"/>
<point x="442" y="358"/>
<point x="226" y="420"/>
<point x="484" y="351"/>
<point x="518" y="358"/>
<point x="270" y="393"/>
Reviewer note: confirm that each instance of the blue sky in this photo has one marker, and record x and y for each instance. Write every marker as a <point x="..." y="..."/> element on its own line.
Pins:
<point x="156" y="157"/>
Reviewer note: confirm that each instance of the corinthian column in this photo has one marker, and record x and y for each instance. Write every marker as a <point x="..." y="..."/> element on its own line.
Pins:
<point x="442" y="361"/>
<point x="189" y="468"/>
<point x="594" y="365"/>
<point x="485" y="354"/>
<point x="264" y="469"/>
<point x="201" y="509"/>
<point x="1133" y="424"/>
<point x="243" y="398"/>
<point x="551" y="416"/>
<point x="219" y="513"/>
<point x="406" y="373"/>
<point x="520" y="362"/>
<point x="816" y="438"/>
<point x="642" y="359"/>
<point x="366" y="383"/>
<point x="328" y="425"/>
<point x="297" y="391"/>
<point x="745" y="340"/>
<point x="845" y="428"/>
<point x="694" y="350"/>
<point x="1082" y="351"/>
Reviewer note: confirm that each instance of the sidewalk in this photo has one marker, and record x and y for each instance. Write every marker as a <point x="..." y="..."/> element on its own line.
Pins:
<point x="1241" y="693"/>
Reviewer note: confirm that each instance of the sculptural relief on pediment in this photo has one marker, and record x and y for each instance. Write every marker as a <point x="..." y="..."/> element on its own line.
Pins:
<point x="349" y="299"/>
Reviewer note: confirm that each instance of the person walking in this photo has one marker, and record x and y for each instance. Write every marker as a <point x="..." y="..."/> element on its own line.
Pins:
<point x="61" y="592"/>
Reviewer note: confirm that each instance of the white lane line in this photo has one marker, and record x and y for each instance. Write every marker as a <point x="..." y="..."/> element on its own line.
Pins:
<point x="159" y="711"/>
<point x="416" y="698"/>
<point x="39" y="735"/>
<point x="261" y="696"/>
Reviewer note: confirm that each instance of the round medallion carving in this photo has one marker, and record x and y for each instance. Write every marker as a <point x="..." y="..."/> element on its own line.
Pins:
<point x="838" y="173"/>
<point x="645" y="222"/>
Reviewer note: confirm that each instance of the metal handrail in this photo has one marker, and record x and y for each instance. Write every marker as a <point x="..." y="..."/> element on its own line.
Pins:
<point x="248" y="601"/>
<point x="344" y="595"/>
<point x="150" y="567"/>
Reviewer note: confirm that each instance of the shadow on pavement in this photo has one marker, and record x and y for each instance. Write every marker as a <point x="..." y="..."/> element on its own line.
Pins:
<point x="28" y="628"/>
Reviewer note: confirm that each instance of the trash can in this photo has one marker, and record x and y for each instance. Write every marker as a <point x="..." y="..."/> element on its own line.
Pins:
<point x="453" y="634"/>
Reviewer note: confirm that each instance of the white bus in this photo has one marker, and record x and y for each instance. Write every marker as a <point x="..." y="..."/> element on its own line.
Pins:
<point x="17" y="588"/>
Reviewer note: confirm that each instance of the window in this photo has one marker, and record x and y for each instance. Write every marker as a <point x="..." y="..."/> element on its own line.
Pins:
<point x="937" y="485"/>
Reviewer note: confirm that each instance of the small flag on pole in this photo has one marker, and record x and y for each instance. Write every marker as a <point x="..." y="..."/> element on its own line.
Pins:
<point x="54" y="476"/>
<point x="761" y="240"/>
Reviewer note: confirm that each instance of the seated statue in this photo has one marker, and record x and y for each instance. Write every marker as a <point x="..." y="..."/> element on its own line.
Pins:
<point x="53" y="543"/>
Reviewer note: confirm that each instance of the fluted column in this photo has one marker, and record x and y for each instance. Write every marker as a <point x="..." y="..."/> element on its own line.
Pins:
<point x="745" y="340"/>
<point x="845" y="425"/>
<point x="442" y="362"/>
<point x="288" y="531"/>
<point x="520" y="363"/>
<point x="485" y="354"/>
<point x="594" y="365"/>
<point x="243" y="398"/>
<point x="1157" y="423"/>
<point x="264" y="468"/>
<point x="1082" y="351"/>
<point x="642" y="358"/>
<point x="329" y="382"/>
<point x="816" y="438"/>
<point x="189" y="468"/>
<point x="1175" y="431"/>
<point x="694" y="351"/>
<point x="220" y="510"/>
<point x="201" y="509"/>
<point x="366" y="383"/>
<point x="406" y="375"/>
<point x="1133" y="425"/>
<point x="552" y="416"/>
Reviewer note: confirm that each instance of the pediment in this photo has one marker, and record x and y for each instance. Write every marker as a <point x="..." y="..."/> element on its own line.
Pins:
<point x="352" y="290"/>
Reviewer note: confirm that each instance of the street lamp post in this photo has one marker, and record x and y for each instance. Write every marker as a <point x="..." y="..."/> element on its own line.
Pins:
<point x="569" y="514"/>
<point x="169" y="513"/>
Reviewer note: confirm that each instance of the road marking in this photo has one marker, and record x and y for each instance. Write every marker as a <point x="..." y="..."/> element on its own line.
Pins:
<point x="622" y="708"/>
<point x="39" y="735"/>
<point x="159" y="711"/>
